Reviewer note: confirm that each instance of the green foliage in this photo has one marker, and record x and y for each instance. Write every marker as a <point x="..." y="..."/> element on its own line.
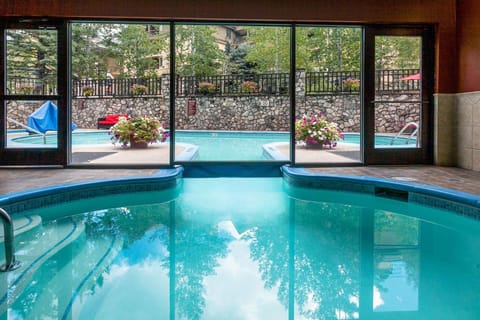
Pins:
<point x="138" y="129"/>
<point x="134" y="49"/>
<point x="317" y="48"/>
<point x="397" y="52"/>
<point x="248" y="86"/>
<point x="269" y="49"/>
<point x="130" y="49"/>
<point x="206" y="87"/>
<point x="129" y="46"/>
<point x="236" y="62"/>
<point x="351" y="84"/>
<point x="328" y="48"/>
<point x="87" y="91"/>
<point x="197" y="53"/>
<point x="316" y="129"/>
<point x="87" y="53"/>
<point x="32" y="54"/>
<point x="139" y="89"/>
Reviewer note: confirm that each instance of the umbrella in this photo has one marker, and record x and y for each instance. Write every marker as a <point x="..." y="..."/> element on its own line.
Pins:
<point x="415" y="76"/>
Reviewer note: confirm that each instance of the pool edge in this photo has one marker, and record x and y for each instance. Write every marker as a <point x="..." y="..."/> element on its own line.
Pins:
<point x="462" y="203"/>
<point x="35" y="198"/>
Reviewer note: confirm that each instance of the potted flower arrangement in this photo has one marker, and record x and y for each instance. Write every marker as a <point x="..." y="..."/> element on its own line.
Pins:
<point x="138" y="132"/>
<point x="316" y="131"/>
<point x="139" y="89"/>
<point x="87" y="91"/>
<point x="351" y="84"/>
<point x="206" y="87"/>
<point x="248" y="86"/>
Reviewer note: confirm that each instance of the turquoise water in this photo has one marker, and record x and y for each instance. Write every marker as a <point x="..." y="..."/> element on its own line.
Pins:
<point x="205" y="138"/>
<point x="227" y="146"/>
<point x="219" y="146"/>
<point x="245" y="249"/>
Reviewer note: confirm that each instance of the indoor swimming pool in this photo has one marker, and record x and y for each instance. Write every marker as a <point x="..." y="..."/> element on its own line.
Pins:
<point x="242" y="248"/>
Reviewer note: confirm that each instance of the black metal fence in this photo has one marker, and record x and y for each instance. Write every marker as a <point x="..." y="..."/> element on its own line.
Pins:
<point x="33" y="86"/>
<point x="224" y="85"/>
<point x="397" y="80"/>
<point x="349" y="81"/>
<point x="91" y="87"/>
<point x="233" y="84"/>
<point x="118" y="87"/>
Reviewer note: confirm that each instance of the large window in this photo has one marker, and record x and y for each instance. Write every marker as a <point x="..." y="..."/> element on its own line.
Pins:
<point x="120" y="94"/>
<point x="328" y="95"/>
<point x="130" y="94"/>
<point x="232" y="93"/>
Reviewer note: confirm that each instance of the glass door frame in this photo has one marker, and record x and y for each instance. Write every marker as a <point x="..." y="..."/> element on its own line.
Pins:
<point x="399" y="156"/>
<point x="37" y="156"/>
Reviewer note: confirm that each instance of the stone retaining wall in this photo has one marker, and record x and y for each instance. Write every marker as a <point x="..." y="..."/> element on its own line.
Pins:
<point x="250" y="113"/>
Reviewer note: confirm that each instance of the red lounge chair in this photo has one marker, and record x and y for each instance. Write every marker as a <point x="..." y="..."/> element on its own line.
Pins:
<point x="109" y="120"/>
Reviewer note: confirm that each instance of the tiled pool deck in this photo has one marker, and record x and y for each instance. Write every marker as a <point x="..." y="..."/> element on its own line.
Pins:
<point x="22" y="179"/>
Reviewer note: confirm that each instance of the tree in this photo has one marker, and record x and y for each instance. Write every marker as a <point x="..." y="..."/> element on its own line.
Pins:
<point x="197" y="52"/>
<point x="269" y="49"/>
<point x="317" y="48"/>
<point x="87" y="50"/>
<point x="32" y="54"/>
<point x="236" y="57"/>
<point x="392" y="52"/>
<point x="134" y="50"/>
<point x="328" y="48"/>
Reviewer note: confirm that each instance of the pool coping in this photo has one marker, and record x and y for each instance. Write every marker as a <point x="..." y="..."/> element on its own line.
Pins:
<point x="462" y="203"/>
<point x="35" y="198"/>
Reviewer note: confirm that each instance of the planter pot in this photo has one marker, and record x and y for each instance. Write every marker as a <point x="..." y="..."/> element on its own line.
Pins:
<point x="138" y="144"/>
<point x="314" y="146"/>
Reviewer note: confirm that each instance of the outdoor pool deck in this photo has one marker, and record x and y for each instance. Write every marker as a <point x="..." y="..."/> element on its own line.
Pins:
<point x="159" y="154"/>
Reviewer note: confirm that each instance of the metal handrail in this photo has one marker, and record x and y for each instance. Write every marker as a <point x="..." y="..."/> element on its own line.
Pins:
<point x="405" y="127"/>
<point x="10" y="262"/>
<point x="30" y="129"/>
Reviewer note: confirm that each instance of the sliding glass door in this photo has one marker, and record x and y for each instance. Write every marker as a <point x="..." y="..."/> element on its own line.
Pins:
<point x="398" y="93"/>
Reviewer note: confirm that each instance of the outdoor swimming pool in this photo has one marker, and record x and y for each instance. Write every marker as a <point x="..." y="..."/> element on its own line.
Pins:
<point x="245" y="248"/>
<point x="206" y="137"/>
<point x="213" y="145"/>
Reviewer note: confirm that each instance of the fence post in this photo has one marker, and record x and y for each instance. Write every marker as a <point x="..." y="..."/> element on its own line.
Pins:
<point x="300" y="84"/>
<point x="165" y="90"/>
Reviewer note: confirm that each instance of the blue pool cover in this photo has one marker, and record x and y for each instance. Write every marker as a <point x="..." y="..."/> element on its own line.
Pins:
<point x="45" y="118"/>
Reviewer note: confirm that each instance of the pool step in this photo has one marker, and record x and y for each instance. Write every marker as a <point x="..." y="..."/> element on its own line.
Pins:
<point x="33" y="249"/>
<point x="22" y="224"/>
<point x="77" y="277"/>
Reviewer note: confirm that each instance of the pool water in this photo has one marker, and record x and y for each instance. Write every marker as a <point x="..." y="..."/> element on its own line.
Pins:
<point x="214" y="145"/>
<point x="206" y="137"/>
<point x="242" y="248"/>
<point x="228" y="146"/>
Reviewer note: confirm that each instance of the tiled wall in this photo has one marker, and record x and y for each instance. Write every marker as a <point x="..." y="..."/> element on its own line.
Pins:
<point x="457" y="130"/>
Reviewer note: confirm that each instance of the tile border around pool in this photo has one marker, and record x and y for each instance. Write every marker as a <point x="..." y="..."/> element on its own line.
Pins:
<point x="31" y="199"/>
<point x="462" y="203"/>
